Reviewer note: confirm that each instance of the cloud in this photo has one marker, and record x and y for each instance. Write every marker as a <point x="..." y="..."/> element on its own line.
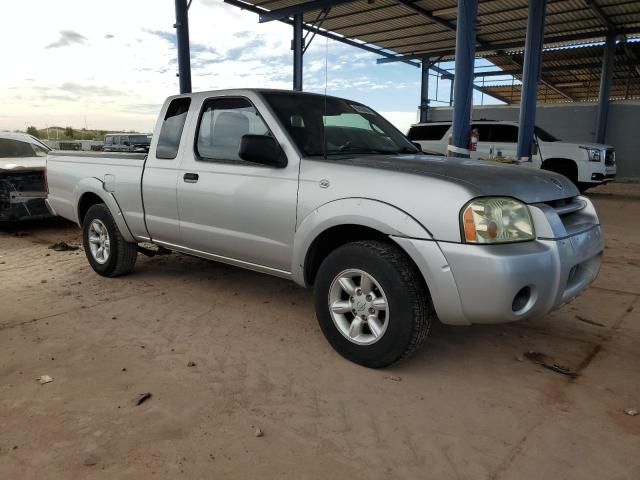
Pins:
<point x="67" y="38"/>
<point x="167" y="36"/>
<point x="142" y="108"/>
<point x="170" y="37"/>
<point x="78" y="89"/>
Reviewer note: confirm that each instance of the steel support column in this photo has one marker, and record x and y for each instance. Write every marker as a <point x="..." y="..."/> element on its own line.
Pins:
<point x="424" y="91"/>
<point x="531" y="72"/>
<point x="463" y="83"/>
<point x="297" y="47"/>
<point x="182" y="37"/>
<point x="605" y="87"/>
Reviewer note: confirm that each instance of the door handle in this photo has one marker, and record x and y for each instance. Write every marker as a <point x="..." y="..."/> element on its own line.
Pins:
<point x="190" y="177"/>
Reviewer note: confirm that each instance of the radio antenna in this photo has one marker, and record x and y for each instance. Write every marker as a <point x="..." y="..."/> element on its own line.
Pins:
<point x="326" y="75"/>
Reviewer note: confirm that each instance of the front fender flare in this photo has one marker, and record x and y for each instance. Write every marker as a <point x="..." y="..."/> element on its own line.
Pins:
<point x="96" y="186"/>
<point x="365" y="212"/>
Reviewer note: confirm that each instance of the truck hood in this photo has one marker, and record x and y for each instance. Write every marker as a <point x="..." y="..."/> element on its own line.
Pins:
<point x="21" y="164"/>
<point x="479" y="178"/>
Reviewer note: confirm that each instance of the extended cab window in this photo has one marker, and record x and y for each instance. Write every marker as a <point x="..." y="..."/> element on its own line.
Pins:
<point x="504" y="133"/>
<point x="172" y="126"/>
<point x="108" y="141"/>
<point x="223" y="122"/>
<point x="427" y="132"/>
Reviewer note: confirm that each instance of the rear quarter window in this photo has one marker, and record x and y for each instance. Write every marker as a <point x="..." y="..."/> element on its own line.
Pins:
<point x="427" y="132"/>
<point x="15" y="148"/>
<point x="172" y="126"/>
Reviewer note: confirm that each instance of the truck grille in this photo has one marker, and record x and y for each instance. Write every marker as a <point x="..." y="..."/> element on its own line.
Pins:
<point x="573" y="215"/>
<point x="566" y="206"/>
<point x="610" y="157"/>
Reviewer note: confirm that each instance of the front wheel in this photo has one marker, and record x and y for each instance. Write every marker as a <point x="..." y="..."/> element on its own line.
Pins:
<point x="109" y="254"/>
<point x="371" y="303"/>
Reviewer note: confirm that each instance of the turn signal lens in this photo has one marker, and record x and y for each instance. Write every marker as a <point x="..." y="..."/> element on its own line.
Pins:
<point x="497" y="220"/>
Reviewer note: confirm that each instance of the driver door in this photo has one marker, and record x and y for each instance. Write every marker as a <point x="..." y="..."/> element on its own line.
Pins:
<point x="231" y="208"/>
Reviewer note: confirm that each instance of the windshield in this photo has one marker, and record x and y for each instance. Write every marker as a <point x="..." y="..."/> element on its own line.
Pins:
<point x="349" y="127"/>
<point x="545" y="136"/>
<point x="145" y="139"/>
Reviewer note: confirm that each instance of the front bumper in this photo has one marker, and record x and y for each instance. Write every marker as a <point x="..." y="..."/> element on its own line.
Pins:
<point x="597" y="172"/>
<point x="502" y="283"/>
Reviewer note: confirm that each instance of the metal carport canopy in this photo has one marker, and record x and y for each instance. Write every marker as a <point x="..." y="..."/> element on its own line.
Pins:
<point x="402" y="30"/>
<point x="422" y="32"/>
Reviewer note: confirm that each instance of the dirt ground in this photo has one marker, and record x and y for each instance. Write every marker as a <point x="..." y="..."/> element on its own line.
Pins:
<point x="469" y="405"/>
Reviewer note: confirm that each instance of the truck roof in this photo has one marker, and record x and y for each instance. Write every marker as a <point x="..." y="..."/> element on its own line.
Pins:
<point x="246" y="91"/>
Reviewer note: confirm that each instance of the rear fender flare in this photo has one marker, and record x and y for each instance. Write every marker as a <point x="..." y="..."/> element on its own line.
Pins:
<point x="96" y="186"/>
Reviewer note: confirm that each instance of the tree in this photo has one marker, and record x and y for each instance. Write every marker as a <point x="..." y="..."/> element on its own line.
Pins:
<point x="68" y="132"/>
<point x="33" y="131"/>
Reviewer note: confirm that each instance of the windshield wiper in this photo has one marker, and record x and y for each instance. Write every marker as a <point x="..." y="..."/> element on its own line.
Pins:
<point x="408" y="150"/>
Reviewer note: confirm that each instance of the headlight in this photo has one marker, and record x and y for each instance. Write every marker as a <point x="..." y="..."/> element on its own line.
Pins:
<point x="496" y="220"/>
<point x="594" y="154"/>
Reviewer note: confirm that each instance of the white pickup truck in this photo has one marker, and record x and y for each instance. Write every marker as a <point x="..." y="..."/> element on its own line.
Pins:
<point x="325" y="192"/>
<point x="585" y="164"/>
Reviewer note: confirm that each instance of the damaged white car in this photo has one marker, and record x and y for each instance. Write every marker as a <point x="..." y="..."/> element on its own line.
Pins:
<point x="23" y="186"/>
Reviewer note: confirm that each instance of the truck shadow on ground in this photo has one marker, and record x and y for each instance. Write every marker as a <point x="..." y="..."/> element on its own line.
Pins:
<point x="36" y="226"/>
<point x="504" y="346"/>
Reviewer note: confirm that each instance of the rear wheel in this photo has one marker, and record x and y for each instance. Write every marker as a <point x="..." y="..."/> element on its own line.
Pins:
<point x="109" y="254"/>
<point x="371" y="303"/>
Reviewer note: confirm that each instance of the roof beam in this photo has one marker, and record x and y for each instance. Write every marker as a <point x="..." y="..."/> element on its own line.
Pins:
<point x="507" y="45"/>
<point x="500" y="73"/>
<point x="634" y="60"/>
<point x="324" y="33"/>
<point x="543" y="80"/>
<point x="441" y="71"/>
<point x="598" y="12"/>
<point x="286" y="12"/>
<point x="411" y="4"/>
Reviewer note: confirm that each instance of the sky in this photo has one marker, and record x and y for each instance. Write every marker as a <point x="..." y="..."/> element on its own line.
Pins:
<point x="109" y="65"/>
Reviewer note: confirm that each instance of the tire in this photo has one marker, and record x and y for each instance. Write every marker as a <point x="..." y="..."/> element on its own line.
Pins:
<point x="567" y="168"/>
<point x="120" y="257"/>
<point x="583" y="187"/>
<point x="401" y="328"/>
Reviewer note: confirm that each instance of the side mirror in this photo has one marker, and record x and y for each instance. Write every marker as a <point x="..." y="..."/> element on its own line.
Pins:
<point x="534" y="147"/>
<point x="418" y="146"/>
<point x="262" y="149"/>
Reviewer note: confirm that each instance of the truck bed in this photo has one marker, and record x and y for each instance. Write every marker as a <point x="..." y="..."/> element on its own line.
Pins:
<point x="122" y="172"/>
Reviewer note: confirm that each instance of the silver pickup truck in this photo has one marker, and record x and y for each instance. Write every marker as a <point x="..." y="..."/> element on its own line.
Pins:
<point x="325" y="192"/>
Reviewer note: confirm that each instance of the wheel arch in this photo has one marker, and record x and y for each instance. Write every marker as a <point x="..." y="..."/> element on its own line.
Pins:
<point x="85" y="202"/>
<point x="564" y="166"/>
<point x="343" y="221"/>
<point x="89" y="192"/>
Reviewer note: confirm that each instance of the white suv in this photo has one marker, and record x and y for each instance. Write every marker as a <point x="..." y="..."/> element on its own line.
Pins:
<point x="585" y="164"/>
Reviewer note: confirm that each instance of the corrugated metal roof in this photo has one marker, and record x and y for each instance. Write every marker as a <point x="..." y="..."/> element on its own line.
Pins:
<point x="426" y="28"/>
<point x="576" y="73"/>
<point x="380" y="22"/>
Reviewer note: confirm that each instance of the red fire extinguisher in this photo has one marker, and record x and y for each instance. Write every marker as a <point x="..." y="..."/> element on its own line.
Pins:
<point x="473" y="140"/>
